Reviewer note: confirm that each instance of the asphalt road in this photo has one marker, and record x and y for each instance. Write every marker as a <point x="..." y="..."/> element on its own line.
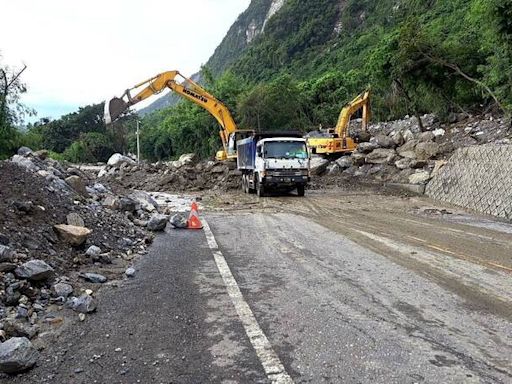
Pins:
<point x="326" y="289"/>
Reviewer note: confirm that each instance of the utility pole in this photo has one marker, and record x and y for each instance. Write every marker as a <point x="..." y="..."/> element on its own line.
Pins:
<point x="138" y="143"/>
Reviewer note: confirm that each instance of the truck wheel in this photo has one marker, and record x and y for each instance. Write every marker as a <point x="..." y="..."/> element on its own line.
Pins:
<point x="260" y="189"/>
<point x="301" y="190"/>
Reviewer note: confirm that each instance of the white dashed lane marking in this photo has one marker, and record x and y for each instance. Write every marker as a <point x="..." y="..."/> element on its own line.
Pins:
<point x="273" y="367"/>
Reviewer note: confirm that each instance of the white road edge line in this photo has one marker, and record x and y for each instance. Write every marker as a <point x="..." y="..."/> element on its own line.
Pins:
<point x="269" y="360"/>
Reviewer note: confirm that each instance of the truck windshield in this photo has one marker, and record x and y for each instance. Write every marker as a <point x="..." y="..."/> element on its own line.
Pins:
<point x="285" y="150"/>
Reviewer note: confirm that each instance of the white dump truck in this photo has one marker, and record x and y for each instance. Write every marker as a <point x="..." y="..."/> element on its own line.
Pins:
<point x="273" y="161"/>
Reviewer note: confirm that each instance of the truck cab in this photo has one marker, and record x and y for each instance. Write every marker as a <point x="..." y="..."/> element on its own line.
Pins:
<point x="278" y="163"/>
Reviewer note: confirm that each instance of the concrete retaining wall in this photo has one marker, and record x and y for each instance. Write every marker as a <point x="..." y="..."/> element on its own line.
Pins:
<point x="478" y="178"/>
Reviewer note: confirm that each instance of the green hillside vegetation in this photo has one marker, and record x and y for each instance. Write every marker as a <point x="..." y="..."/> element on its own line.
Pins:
<point x="418" y="57"/>
<point x="439" y="56"/>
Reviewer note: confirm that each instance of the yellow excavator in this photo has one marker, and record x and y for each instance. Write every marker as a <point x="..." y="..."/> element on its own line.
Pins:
<point x="336" y="142"/>
<point x="190" y="90"/>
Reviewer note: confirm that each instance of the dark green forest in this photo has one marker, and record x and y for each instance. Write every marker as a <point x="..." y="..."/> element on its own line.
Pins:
<point x="439" y="56"/>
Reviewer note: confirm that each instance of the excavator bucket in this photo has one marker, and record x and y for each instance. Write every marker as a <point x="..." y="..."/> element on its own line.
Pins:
<point x="113" y="109"/>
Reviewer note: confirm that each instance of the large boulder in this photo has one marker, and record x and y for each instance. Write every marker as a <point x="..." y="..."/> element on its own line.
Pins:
<point x="179" y="221"/>
<point x="34" y="270"/>
<point x="381" y="156"/>
<point x="157" y="223"/>
<point x="17" y="355"/>
<point x="144" y="201"/>
<point x="425" y="137"/>
<point x="426" y="151"/>
<point x="366" y="147"/>
<point x="24" y="151"/>
<point x="421" y="177"/>
<point x="398" y="138"/>
<point x="318" y="165"/>
<point x="25" y="163"/>
<point x="75" y="236"/>
<point x="116" y="160"/>
<point x="188" y="158"/>
<point x="344" y="162"/>
<point x="408" y="149"/>
<point x="384" y="141"/>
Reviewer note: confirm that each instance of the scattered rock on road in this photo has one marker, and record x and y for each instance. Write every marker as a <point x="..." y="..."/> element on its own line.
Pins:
<point x="83" y="304"/>
<point x="93" y="251"/>
<point x="130" y="272"/>
<point x="17" y="355"/>
<point x="157" y="223"/>
<point x="179" y="221"/>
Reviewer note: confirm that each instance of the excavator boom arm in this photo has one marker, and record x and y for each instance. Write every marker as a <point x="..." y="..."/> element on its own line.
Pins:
<point x="186" y="88"/>
<point x="361" y="101"/>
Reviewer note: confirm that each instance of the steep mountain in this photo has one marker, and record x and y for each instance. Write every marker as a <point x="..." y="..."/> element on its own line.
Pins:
<point x="248" y="26"/>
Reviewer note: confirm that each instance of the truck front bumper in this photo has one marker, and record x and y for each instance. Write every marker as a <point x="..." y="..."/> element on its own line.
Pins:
<point x="285" y="181"/>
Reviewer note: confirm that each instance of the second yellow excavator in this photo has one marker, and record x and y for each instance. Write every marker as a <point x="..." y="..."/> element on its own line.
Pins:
<point x="336" y="142"/>
<point x="189" y="90"/>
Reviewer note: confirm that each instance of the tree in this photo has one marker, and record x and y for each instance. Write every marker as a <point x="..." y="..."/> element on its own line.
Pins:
<point x="11" y="109"/>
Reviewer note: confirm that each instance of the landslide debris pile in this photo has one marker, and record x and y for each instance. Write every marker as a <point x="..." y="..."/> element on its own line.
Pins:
<point x="61" y="235"/>
<point x="398" y="152"/>
<point x="186" y="174"/>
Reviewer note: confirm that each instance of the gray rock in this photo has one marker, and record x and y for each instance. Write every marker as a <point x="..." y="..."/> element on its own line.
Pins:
<point x="20" y="329"/>
<point x="157" y="223"/>
<point x="6" y="253"/>
<point x="358" y="158"/>
<point x="318" y="165"/>
<point x="83" y="304"/>
<point x="344" y="162"/>
<point x="408" y="149"/>
<point x="381" y="156"/>
<point x="116" y="160"/>
<point x="334" y="169"/>
<point x="144" y="201"/>
<point x="7" y="267"/>
<point x="75" y="219"/>
<point x="384" y="141"/>
<point x="366" y="147"/>
<point x="420" y="177"/>
<point x="62" y="290"/>
<point x="95" y="278"/>
<point x="35" y="270"/>
<point x="130" y="272"/>
<point x="408" y="135"/>
<point x="93" y="251"/>
<point x="425" y="137"/>
<point x="403" y="163"/>
<point x="179" y="221"/>
<point x="25" y="163"/>
<point x="99" y="188"/>
<point x="188" y="158"/>
<point x="127" y="205"/>
<point x="426" y="151"/>
<point x="17" y="355"/>
<point x="24" y="151"/>
<point x="398" y="138"/>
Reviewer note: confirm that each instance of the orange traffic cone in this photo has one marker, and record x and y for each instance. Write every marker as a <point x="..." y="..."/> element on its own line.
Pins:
<point x="193" y="221"/>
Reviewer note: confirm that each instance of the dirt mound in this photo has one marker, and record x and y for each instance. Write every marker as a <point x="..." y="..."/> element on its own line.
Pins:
<point x="42" y="258"/>
<point x="174" y="176"/>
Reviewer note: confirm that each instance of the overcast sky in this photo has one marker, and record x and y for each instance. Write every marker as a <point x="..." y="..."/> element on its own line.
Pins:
<point x="82" y="52"/>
